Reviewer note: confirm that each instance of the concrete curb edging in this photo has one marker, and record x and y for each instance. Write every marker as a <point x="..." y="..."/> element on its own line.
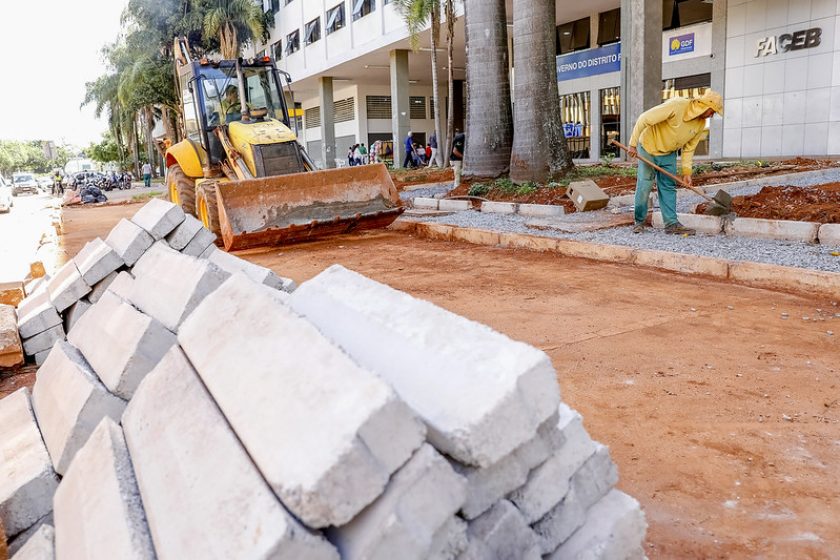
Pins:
<point x="757" y="275"/>
<point x="534" y="210"/>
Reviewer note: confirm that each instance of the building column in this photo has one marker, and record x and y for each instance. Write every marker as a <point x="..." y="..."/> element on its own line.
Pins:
<point x="325" y="94"/>
<point x="718" y="74"/>
<point x="400" y="110"/>
<point x="641" y="60"/>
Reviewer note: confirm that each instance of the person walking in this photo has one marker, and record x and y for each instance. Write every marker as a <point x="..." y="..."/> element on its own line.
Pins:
<point x="363" y="151"/>
<point x="409" y="150"/>
<point x="676" y="125"/>
<point x="374" y="151"/>
<point x="433" y="144"/>
<point x="457" y="156"/>
<point x="147" y="174"/>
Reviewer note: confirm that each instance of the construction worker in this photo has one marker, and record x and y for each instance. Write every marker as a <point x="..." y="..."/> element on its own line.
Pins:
<point x="677" y="124"/>
<point x="231" y="107"/>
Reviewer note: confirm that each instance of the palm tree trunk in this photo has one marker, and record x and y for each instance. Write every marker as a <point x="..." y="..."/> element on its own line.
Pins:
<point x="449" y="12"/>
<point x="229" y="44"/>
<point x="489" y="116"/>
<point x="149" y="123"/>
<point x="435" y="81"/>
<point x="540" y="151"/>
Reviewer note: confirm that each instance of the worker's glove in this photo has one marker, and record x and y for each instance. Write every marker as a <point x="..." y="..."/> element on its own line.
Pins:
<point x="687" y="180"/>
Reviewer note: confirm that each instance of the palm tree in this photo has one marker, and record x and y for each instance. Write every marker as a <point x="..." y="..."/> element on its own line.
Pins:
<point x="416" y="14"/>
<point x="540" y="151"/>
<point x="449" y="14"/>
<point x="235" y="22"/>
<point x="489" y="116"/>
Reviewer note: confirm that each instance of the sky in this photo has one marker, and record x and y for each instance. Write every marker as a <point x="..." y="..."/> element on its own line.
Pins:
<point x="48" y="50"/>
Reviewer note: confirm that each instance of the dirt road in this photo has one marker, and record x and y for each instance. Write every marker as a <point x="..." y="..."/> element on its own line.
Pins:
<point x="723" y="416"/>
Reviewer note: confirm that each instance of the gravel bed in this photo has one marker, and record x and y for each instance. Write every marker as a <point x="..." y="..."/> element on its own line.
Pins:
<point x="800" y="255"/>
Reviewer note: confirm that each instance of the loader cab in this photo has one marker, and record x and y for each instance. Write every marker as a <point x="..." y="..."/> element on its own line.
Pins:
<point x="211" y="99"/>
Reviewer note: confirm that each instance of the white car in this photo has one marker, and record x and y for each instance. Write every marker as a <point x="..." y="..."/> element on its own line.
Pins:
<point x="6" y="200"/>
<point x="24" y="182"/>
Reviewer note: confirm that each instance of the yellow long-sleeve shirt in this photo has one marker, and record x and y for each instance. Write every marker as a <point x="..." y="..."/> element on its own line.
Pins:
<point x="669" y="127"/>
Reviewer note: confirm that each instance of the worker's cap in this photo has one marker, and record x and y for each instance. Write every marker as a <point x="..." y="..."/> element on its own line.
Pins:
<point x="712" y="100"/>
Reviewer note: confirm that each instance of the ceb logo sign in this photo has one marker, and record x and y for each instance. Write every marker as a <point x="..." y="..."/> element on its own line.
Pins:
<point x="806" y="39"/>
<point x="681" y="45"/>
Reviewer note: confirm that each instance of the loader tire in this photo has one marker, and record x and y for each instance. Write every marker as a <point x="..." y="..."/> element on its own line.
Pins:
<point x="207" y="208"/>
<point x="181" y="189"/>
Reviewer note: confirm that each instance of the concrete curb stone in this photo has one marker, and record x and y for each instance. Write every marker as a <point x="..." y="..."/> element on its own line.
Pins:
<point x="447" y="204"/>
<point x="261" y="275"/>
<point x="682" y="263"/>
<point x="502" y="533"/>
<point x="43" y="341"/>
<point x="184" y="233"/>
<point x="129" y="241"/>
<point x="39" y="546"/>
<point x="101" y="287"/>
<point x="475" y="236"/>
<point x="829" y="234"/>
<point x="774" y="229"/>
<point x="67" y="286"/>
<point x="427" y="203"/>
<point x="200" y="243"/>
<point x="11" y="347"/>
<point x="700" y="222"/>
<point x="74" y="313"/>
<point x="499" y="207"/>
<point x="96" y="261"/>
<point x="541" y="210"/>
<point x="159" y="217"/>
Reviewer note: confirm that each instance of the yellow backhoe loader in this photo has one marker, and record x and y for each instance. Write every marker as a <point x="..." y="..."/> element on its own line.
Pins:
<point x="242" y="172"/>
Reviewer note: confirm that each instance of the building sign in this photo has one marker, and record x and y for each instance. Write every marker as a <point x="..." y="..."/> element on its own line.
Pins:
<point x="681" y="45"/>
<point x="805" y="39"/>
<point x="590" y="62"/>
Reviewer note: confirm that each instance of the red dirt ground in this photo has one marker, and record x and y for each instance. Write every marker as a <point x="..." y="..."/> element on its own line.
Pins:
<point x="723" y="417"/>
<point x="813" y="204"/>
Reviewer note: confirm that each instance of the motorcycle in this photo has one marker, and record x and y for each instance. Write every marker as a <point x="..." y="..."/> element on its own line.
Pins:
<point x="58" y="186"/>
<point x="91" y="193"/>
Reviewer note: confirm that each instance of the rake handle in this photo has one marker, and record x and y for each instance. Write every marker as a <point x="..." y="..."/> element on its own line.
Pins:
<point x="664" y="172"/>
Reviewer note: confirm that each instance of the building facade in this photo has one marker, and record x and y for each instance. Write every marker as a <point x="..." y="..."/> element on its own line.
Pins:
<point x="777" y="63"/>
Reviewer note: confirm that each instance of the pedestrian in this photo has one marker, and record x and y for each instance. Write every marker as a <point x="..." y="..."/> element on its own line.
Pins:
<point x="677" y="125"/>
<point x="409" y="150"/>
<point x="357" y="154"/>
<point x="351" y="156"/>
<point x="374" y="151"/>
<point x="433" y="144"/>
<point x="457" y="156"/>
<point x="364" y="153"/>
<point x="147" y="174"/>
<point x="429" y="154"/>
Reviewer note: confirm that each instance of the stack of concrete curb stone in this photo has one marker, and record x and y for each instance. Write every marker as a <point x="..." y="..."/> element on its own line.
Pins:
<point x="206" y="408"/>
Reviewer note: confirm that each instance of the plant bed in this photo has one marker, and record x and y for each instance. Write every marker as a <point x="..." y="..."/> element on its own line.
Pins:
<point x="408" y="177"/>
<point x="820" y="203"/>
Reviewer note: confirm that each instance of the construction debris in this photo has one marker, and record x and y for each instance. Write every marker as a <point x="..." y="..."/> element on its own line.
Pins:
<point x="342" y="420"/>
<point x="11" y="350"/>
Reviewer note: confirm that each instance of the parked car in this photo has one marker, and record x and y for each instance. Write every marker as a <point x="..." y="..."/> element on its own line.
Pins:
<point x="45" y="183"/>
<point x="24" y="182"/>
<point x="6" y="201"/>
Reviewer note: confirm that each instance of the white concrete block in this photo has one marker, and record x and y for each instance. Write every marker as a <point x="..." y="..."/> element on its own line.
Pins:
<point x="129" y="241"/>
<point x="121" y="344"/>
<point x="74" y="313"/>
<point x="499" y="207"/>
<point x="426" y="203"/>
<point x="183" y="234"/>
<point x="588" y="485"/>
<point x="22" y="538"/>
<point x="449" y="205"/>
<point x="700" y="222"/>
<point x="258" y="274"/>
<point x="67" y="287"/>
<point x="41" y="357"/>
<point x="481" y="394"/>
<point x="208" y="251"/>
<point x="829" y="234"/>
<point x="542" y="210"/>
<point x="43" y="341"/>
<point x="97" y="260"/>
<point x="186" y="459"/>
<point x="122" y="285"/>
<point x="69" y="402"/>
<point x="502" y="533"/>
<point x="98" y="511"/>
<point x="34" y="299"/>
<point x="615" y="528"/>
<point x="37" y="316"/>
<point x="449" y="541"/>
<point x="325" y="433"/>
<point x="40" y="546"/>
<point x="169" y="285"/>
<point x="549" y="483"/>
<point x="158" y="217"/>
<point x="101" y="287"/>
<point x="198" y="244"/>
<point x="35" y="285"/>
<point x="27" y="478"/>
<point x="488" y="485"/>
<point x="421" y="497"/>
<point x="774" y="229"/>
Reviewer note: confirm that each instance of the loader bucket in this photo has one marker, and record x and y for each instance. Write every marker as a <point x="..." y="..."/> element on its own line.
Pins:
<point x="303" y="206"/>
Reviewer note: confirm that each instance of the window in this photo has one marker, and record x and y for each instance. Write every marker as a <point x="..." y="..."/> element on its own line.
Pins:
<point x="573" y="36"/>
<point x="335" y="19"/>
<point x="275" y="5"/>
<point x="312" y="117"/>
<point x="277" y="50"/>
<point x="345" y="110"/>
<point x="312" y="31"/>
<point x="574" y="108"/>
<point x="679" y="13"/>
<point x="609" y="27"/>
<point x="288" y="2"/>
<point x="431" y="107"/>
<point x="379" y="106"/>
<point x="293" y="42"/>
<point x="361" y="8"/>
<point x="417" y="108"/>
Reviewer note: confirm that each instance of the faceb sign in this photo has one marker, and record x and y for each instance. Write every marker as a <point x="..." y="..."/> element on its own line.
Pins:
<point x="787" y="42"/>
<point x="681" y="45"/>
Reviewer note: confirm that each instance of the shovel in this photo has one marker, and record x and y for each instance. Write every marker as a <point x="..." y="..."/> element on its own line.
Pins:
<point x="721" y="203"/>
